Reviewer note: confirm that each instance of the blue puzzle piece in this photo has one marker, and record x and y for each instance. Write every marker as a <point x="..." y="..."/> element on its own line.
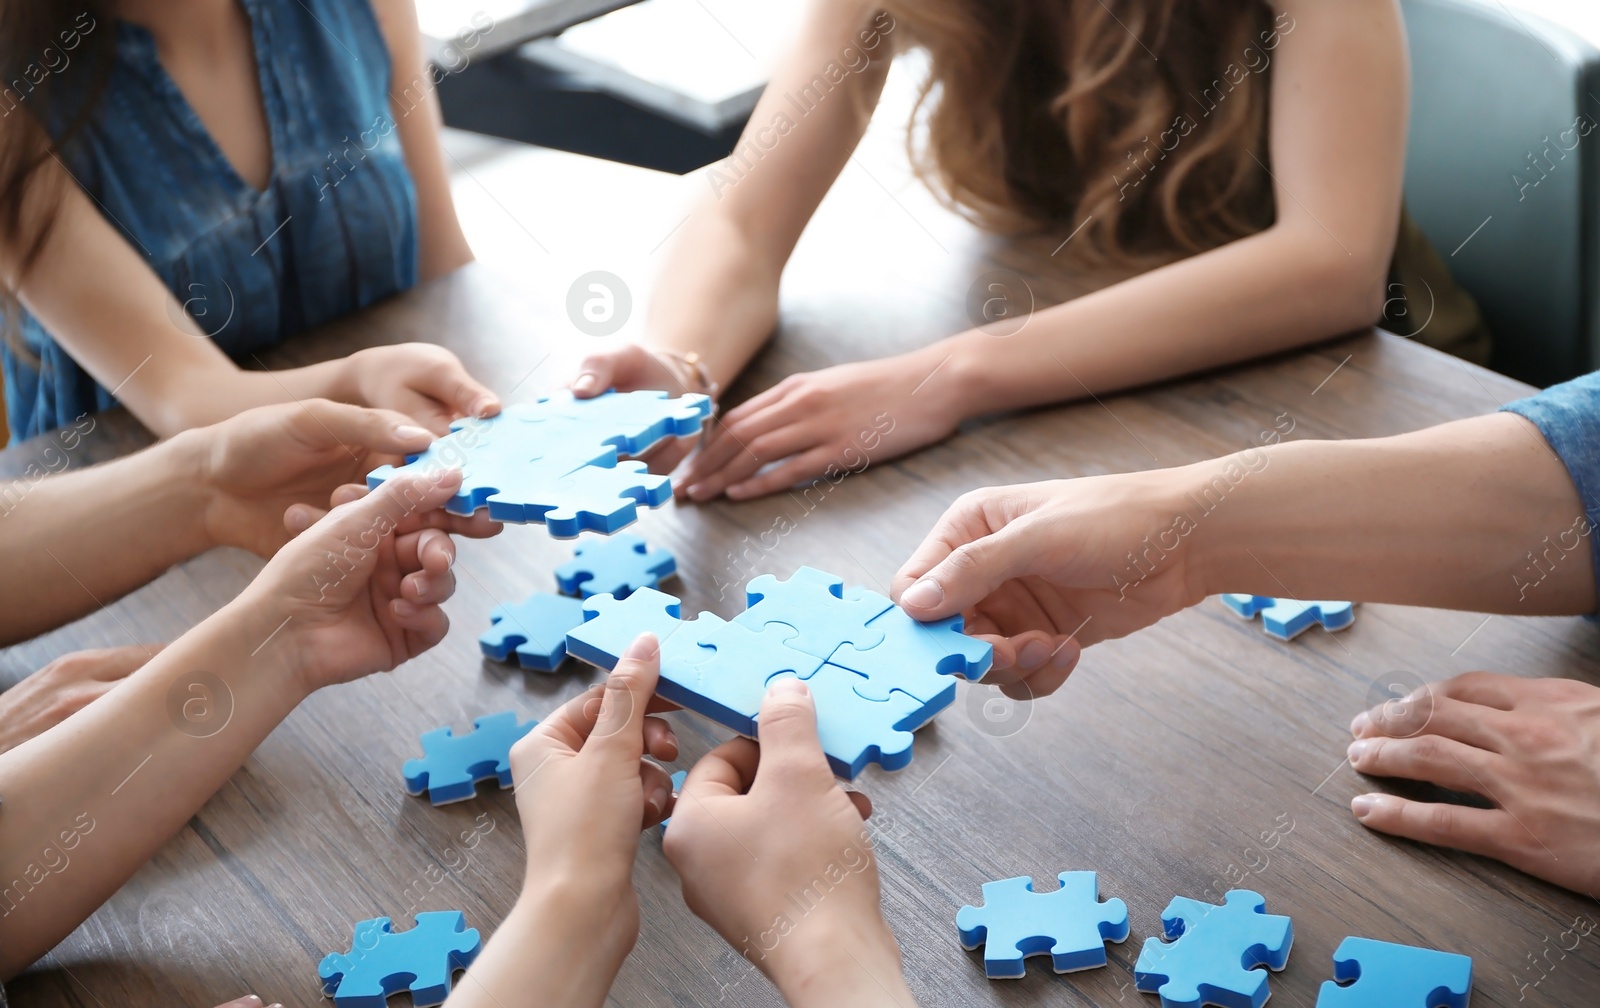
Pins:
<point x="678" y="777"/>
<point x="1071" y="924"/>
<point x="1375" y="974"/>
<point x="1213" y="952"/>
<point x="916" y="658"/>
<point x="721" y="670"/>
<point x="535" y="630"/>
<point x="452" y="765"/>
<point x="382" y="962"/>
<point x="555" y="460"/>
<point x="616" y="566"/>
<point x="816" y="612"/>
<point x="1286" y="619"/>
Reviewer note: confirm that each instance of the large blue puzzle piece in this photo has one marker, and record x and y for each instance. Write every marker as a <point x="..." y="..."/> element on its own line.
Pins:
<point x="1213" y="952"/>
<point x="721" y="670"/>
<point x="535" y="630"/>
<point x="452" y="765"/>
<point x="555" y="460"/>
<point x="915" y="658"/>
<point x="1375" y="974"/>
<point x="619" y="566"/>
<point x="1286" y="619"/>
<point x="1071" y="924"/>
<point x="382" y="962"/>
<point x="815" y="611"/>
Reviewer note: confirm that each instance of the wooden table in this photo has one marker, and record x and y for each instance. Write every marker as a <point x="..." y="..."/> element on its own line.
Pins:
<point x="1195" y="754"/>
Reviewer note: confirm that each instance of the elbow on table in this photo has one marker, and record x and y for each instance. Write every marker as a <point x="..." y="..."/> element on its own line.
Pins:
<point x="1347" y="292"/>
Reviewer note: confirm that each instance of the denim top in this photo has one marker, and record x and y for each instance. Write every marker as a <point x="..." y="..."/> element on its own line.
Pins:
<point x="1568" y="415"/>
<point x="333" y="231"/>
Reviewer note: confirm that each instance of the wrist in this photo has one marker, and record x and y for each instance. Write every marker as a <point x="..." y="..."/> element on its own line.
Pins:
<point x="965" y="377"/>
<point x="258" y="628"/>
<point x="595" y="917"/>
<point x="838" y="964"/>
<point x="1225" y="499"/>
<point x="187" y="479"/>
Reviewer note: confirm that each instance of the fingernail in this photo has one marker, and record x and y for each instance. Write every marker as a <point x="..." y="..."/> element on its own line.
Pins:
<point x="421" y="583"/>
<point x="1359" y="724"/>
<point x="404" y="609"/>
<point x="252" y="998"/>
<point x="1358" y="750"/>
<point x="1034" y="654"/>
<point x="698" y="492"/>
<point x="925" y="594"/>
<point x="737" y="491"/>
<point x="789" y="687"/>
<point x="658" y="801"/>
<point x="1066" y="654"/>
<point x="411" y="432"/>
<point x="644" y="646"/>
<point x="1362" y="805"/>
<point x="585" y="383"/>
<point x="483" y="406"/>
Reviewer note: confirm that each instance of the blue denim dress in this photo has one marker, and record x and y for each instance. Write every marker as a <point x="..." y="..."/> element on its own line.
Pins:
<point x="334" y="230"/>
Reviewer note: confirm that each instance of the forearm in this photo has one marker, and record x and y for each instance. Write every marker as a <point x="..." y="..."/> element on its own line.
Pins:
<point x="1453" y="516"/>
<point x="70" y="543"/>
<point x="542" y="955"/>
<point x="851" y="967"/>
<point x="1266" y="293"/>
<point x="90" y="801"/>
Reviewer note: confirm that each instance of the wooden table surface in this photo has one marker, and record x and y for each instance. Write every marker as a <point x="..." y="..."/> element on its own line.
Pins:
<point x="1186" y="759"/>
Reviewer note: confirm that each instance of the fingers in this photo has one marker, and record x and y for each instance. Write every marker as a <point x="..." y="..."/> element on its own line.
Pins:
<point x="356" y="530"/>
<point x="1428" y="711"/>
<point x="805" y="466"/>
<point x="1488" y="689"/>
<point x="114" y="663"/>
<point x="325" y="424"/>
<point x="449" y="383"/>
<point x="619" y="725"/>
<point x="729" y="769"/>
<point x="862" y="803"/>
<point x="429" y="556"/>
<point x="660" y="741"/>
<point x="1431" y="758"/>
<point x="656" y="784"/>
<point x="791" y="753"/>
<point x="969" y="573"/>
<point x="1489" y="832"/>
<point x="595" y="375"/>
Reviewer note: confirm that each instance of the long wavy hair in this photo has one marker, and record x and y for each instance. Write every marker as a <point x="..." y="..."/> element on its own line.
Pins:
<point x="1143" y="121"/>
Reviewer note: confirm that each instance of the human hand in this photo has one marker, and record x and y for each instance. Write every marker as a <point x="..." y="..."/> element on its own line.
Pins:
<point x="584" y="791"/>
<point x="1531" y="746"/>
<point x="248" y="1001"/>
<point x="359" y="591"/>
<point x="627" y="367"/>
<point x="262" y="462"/>
<point x="64" y="687"/>
<point x="425" y="382"/>
<point x="823" y="423"/>
<point x="761" y="831"/>
<point x="1040" y="569"/>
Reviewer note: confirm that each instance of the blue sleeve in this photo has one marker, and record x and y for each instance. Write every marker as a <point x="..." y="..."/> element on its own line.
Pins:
<point x="1568" y="415"/>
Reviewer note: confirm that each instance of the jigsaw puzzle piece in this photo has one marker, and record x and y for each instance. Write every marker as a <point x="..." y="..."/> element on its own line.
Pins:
<point x="611" y="624"/>
<point x="382" y="961"/>
<point x="818" y="614"/>
<point x="1286" y="619"/>
<point x="678" y="777"/>
<point x="1015" y="922"/>
<point x="915" y="658"/>
<point x="1213" y="952"/>
<point x="452" y="765"/>
<point x="615" y="566"/>
<point x="592" y="498"/>
<point x="1376" y="974"/>
<point x="634" y="421"/>
<point x="856" y="731"/>
<point x="535" y="630"/>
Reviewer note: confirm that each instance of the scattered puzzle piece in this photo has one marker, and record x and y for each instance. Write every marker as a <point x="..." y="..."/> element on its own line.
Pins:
<point x="452" y="765"/>
<point x="1375" y="974"/>
<point x="678" y="777"/>
<point x="382" y="962"/>
<point x="555" y="460"/>
<point x="616" y="566"/>
<point x="1286" y="619"/>
<point x="535" y="630"/>
<point x="1071" y="924"/>
<point x="721" y="669"/>
<point x="1213" y="952"/>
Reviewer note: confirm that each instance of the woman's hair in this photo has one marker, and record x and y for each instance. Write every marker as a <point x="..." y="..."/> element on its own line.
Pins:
<point x="1143" y="120"/>
<point x="55" y="59"/>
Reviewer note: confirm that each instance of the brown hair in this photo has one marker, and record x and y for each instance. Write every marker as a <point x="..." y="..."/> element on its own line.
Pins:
<point x="55" y="59"/>
<point x="1144" y="118"/>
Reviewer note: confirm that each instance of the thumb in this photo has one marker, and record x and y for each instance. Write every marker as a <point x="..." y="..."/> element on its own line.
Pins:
<point x="619" y="723"/>
<point x="970" y="573"/>
<point x="380" y="431"/>
<point x="791" y="752"/>
<point x="595" y="375"/>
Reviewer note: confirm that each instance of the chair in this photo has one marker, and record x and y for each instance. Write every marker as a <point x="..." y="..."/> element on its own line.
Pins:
<point x="1503" y="175"/>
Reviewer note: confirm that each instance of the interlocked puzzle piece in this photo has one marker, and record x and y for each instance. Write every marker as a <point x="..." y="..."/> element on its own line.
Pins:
<point x="1213" y="951"/>
<point x="555" y="460"/>
<point x="814" y="610"/>
<point x="721" y="669"/>
<point x="1286" y="619"/>
<point x="535" y="630"/>
<point x="382" y="962"/>
<point x="1376" y="974"/>
<point x="1071" y="924"/>
<point x="453" y="764"/>
<point x="678" y="777"/>
<point x="616" y="566"/>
